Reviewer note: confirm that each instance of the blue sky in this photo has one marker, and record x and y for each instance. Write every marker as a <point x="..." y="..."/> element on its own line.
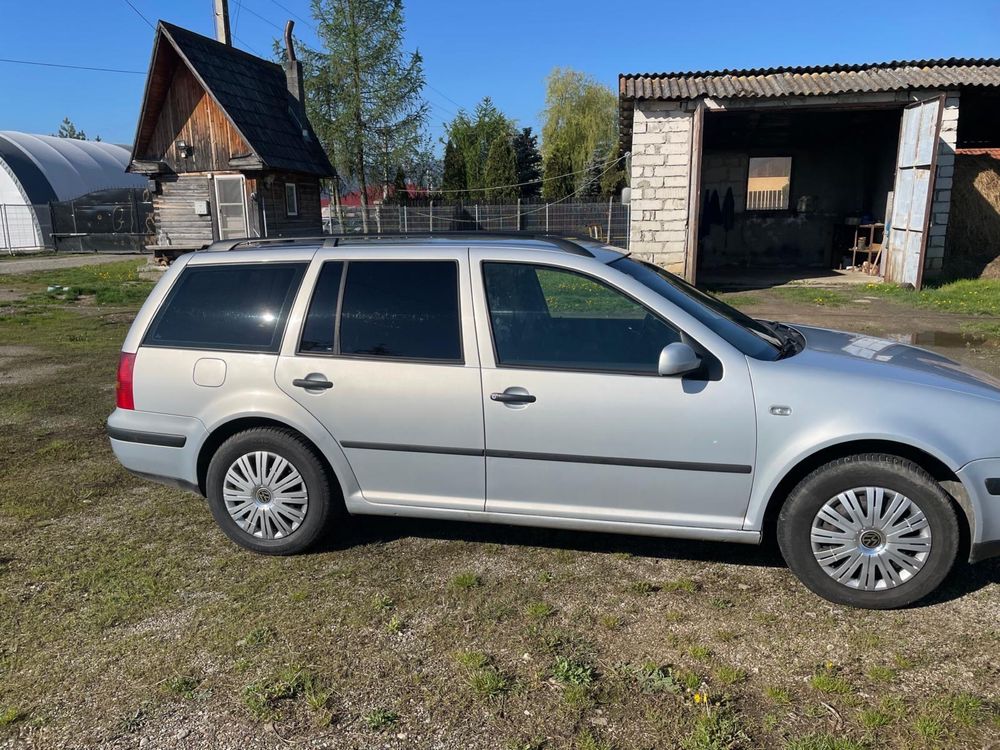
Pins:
<point x="503" y="48"/>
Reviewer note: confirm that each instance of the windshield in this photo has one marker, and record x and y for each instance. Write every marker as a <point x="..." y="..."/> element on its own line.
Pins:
<point x="750" y="336"/>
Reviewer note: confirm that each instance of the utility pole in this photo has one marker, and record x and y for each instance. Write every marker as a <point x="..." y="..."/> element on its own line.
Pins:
<point x="222" y="22"/>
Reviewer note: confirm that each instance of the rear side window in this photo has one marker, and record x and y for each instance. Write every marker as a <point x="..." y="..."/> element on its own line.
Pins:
<point x="401" y="309"/>
<point x="231" y="307"/>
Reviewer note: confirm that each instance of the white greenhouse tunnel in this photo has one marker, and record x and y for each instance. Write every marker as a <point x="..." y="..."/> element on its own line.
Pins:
<point x="38" y="169"/>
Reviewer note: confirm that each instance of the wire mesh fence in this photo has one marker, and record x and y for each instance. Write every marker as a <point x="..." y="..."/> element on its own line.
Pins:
<point x="116" y="220"/>
<point x="607" y="221"/>
<point x="24" y="227"/>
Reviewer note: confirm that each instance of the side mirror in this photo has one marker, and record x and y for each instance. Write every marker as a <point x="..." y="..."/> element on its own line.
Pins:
<point x="677" y="359"/>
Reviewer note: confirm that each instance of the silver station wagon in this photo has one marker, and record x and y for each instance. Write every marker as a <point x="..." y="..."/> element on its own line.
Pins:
<point x="543" y="381"/>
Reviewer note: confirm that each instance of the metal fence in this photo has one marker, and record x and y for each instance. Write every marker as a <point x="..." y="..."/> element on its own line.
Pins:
<point x="24" y="227"/>
<point x="607" y="221"/>
<point x="116" y="220"/>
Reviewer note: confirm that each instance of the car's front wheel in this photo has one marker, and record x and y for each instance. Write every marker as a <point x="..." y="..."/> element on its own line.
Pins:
<point x="268" y="491"/>
<point x="873" y="531"/>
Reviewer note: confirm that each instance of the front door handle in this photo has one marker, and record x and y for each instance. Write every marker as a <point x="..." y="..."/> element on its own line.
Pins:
<point x="513" y="397"/>
<point x="313" y="381"/>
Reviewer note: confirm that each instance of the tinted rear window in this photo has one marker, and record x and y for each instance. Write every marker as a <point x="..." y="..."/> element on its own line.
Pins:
<point x="233" y="307"/>
<point x="402" y="309"/>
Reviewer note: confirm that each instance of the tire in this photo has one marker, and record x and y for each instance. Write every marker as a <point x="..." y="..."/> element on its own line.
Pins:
<point x="271" y="517"/>
<point x="880" y="582"/>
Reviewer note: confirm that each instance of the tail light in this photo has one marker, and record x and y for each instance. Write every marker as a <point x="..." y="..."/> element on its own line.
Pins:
<point x="123" y="384"/>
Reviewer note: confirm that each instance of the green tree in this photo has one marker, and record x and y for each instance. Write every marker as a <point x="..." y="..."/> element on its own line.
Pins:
<point x="500" y="171"/>
<point x="68" y="130"/>
<point x="364" y="89"/>
<point x="581" y="115"/>
<point x="474" y="136"/>
<point x="400" y="195"/>
<point x="559" y="183"/>
<point x="529" y="163"/>
<point x="453" y="182"/>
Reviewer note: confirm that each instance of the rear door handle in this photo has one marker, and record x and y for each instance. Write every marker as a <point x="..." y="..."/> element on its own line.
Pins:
<point x="513" y="398"/>
<point x="313" y="381"/>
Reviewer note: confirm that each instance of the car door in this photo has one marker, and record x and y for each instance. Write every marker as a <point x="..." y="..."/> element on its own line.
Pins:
<point x="386" y="358"/>
<point x="578" y="422"/>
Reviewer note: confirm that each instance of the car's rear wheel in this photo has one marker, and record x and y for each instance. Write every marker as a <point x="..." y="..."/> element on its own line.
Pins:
<point x="268" y="491"/>
<point x="873" y="531"/>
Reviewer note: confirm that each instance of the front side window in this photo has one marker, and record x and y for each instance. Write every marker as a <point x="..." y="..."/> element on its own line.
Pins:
<point x="553" y="318"/>
<point x="769" y="183"/>
<point x="291" y="199"/>
<point x="231" y="307"/>
<point x="401" y="309"/>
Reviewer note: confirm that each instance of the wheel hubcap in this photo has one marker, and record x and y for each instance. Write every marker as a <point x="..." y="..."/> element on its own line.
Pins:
<point x="871" y="538"/>
<point x="265" y="495"/>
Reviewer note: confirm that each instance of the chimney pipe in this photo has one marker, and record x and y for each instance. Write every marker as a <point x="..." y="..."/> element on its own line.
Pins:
<point x="293" y="68"/>
<point x="222" y="33"/>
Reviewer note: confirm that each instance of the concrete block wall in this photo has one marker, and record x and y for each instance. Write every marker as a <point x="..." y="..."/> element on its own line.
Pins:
<point x="661" y="171"/>
<point x="941" y="202"/>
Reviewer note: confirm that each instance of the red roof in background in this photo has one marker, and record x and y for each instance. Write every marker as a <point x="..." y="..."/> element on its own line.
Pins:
<point x="994" y="152"/>
<point x="375" y="195"/>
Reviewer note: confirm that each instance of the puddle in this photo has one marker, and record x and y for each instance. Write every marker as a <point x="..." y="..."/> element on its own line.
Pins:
<point x="971" y="349"/>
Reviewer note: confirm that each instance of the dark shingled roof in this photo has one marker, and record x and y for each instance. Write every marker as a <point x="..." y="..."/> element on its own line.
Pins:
<point x="812" y="81"/>
<point x="254" y="94"/>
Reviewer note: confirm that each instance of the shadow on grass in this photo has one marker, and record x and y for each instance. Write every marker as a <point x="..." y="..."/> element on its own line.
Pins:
<point x="362" y="530"/>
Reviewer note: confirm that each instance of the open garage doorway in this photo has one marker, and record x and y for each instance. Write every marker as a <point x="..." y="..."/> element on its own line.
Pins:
<point x="790" y="194"/>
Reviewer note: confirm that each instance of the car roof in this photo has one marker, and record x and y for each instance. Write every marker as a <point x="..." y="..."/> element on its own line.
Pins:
<point x="581" y="246"/>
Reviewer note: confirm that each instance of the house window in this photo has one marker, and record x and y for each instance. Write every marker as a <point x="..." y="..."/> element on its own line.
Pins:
<point x="291" y="199"/>
<point x="768" y="183"/>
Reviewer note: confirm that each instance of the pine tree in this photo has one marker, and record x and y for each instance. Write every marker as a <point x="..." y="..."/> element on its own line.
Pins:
<point x="453" y="181"/>
<point x="529" y="163"/>
<point x="363" y="89"/>
<point x="68" y="130"/>
<point x="400" y="195"/>
<point x="500" y="171"/>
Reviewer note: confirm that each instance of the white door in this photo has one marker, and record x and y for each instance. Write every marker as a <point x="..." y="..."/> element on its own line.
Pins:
<point x="918" y="143"/>
<point x="387" y="361"/>
<point x="230" y="206"/>
<point x="580" y="425"/>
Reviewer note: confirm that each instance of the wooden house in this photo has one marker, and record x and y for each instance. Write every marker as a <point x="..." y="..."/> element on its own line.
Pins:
<point x="224" y="137"/>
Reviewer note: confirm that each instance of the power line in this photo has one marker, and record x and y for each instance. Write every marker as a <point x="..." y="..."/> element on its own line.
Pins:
<point x="236" y="21"/>
<point x="139" y="13"/>
<point x="268" y="21"/>
<point x="252" y="49"/>
<point x="72" y="67"/>
<point x="444" y="95"/>
<point x="296" y="16"/>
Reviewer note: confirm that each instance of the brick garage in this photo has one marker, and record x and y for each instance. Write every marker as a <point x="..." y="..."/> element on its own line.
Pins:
<point x="736" y="173"/>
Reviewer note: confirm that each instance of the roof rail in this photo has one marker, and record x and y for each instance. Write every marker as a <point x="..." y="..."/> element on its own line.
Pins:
<point x="563" y="241"/>
<point x="225" y="245"/>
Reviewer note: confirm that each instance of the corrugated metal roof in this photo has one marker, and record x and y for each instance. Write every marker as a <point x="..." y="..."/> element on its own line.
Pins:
<point x="898" y="75"/>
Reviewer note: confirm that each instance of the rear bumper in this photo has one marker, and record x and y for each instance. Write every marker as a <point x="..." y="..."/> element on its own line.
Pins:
<point x="976" y="477"/>
<point x="160" y="447"/>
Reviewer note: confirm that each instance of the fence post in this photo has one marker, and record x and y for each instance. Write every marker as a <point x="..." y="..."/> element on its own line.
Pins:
<point x="628" y="224"/>
<point x="431" y="217"/>
<point x="477" y="216"/>
<point x="546" y="218"/>
<point x="518" y="214"/>
<point x="3" y="229"/>
<point x="406" y="223"/>
<point x="378" y="217"/>
<point x="610" y="202"/>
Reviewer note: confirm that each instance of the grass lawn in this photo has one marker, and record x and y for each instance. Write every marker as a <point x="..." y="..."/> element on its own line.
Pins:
<point x="970" y="297"/>
<point x="126" y="615"/>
